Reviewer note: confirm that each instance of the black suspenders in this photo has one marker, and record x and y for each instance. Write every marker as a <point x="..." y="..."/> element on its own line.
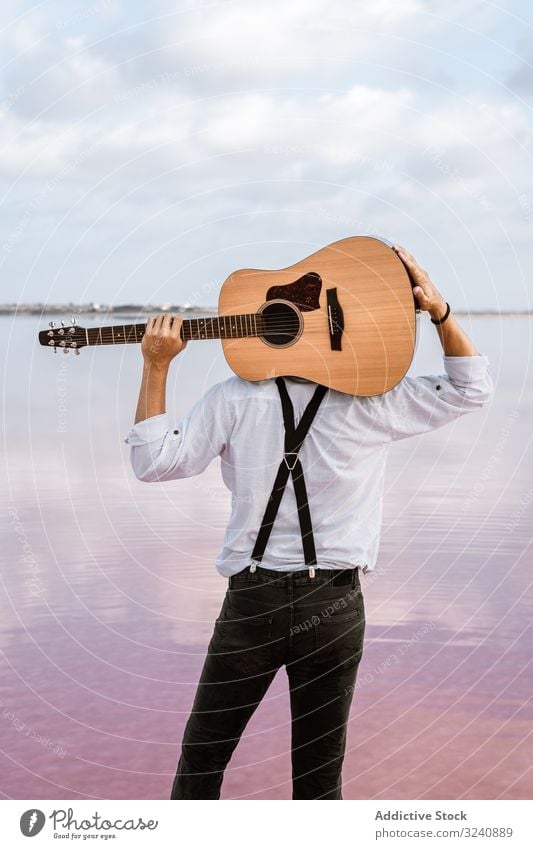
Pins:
<point x="290" y="464"/>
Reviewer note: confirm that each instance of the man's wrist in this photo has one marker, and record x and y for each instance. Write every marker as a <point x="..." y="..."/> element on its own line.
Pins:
<point x="439" y="311"/>
<point x="154" y="367"/>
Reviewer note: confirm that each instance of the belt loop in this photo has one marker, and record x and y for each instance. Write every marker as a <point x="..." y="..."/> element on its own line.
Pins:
<point x="229" y="582"/>
<point x="353" y="578"/>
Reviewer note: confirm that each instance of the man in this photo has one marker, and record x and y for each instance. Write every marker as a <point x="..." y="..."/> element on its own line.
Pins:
<point x="279" y="610"/>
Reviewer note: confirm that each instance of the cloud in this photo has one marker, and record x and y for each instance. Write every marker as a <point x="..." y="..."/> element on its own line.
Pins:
<point x="227" y="111"/>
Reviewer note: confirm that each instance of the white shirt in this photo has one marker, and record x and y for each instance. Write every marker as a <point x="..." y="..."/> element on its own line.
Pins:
<point x="343" y="457"/>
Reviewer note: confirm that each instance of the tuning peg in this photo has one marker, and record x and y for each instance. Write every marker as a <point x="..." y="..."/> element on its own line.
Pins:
<point x="74" y="322"/>
<point x="77" y="351"/>
<point x="62" y="324"/>
<point x="65" y="350"/>
<point x="51" y="324"/>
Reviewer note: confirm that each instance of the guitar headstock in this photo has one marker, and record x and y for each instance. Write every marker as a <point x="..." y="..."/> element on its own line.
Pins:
<point x="66" y="336"/>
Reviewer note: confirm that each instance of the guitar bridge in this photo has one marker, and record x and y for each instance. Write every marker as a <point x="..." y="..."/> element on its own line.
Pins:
<point x="335" y="320"/>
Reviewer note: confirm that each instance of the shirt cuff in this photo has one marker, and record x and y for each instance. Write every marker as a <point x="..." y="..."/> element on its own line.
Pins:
<point x="466" y="370"/>
<point x="149" y="430"/>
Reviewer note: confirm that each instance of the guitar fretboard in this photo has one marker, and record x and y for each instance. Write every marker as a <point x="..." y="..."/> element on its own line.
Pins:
<point x="218" y="327"/>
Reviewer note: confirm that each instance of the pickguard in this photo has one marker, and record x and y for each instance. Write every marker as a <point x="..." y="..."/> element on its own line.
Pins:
<point x="303" y="293"/>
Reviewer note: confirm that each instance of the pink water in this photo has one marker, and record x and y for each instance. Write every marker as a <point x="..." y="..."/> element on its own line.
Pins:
<point x="109" y="593"/>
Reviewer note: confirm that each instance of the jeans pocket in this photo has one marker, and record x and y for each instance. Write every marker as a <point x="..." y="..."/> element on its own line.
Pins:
<point x="340" y="635"/>
<point x="244" y="641"/>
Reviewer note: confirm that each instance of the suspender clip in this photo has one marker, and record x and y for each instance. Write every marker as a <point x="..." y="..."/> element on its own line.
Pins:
<point x="311" y="571"/>
<point x="253" y="565"/>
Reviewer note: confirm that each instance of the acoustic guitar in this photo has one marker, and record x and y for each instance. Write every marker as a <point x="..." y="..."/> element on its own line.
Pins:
<point x="344" y="317"/>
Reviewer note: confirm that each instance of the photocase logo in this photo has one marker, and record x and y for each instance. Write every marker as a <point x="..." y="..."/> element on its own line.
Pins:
<point x="31" y="822"/>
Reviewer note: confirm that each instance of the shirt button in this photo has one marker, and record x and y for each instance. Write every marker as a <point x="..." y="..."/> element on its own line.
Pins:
<point x="437" y="387"/>
<point x="176" y="432"/>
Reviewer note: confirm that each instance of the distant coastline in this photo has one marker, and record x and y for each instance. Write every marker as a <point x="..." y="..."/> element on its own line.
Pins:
<point x="103" y="309"/>
<point x="140" y="310"/>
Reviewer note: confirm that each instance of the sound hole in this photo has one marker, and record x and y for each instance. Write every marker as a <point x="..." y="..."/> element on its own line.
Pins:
<point x="281" y="323"/>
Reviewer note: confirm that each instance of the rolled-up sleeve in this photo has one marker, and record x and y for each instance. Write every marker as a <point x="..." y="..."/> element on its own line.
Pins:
<point x="424" y="403"/>
<point x="161" y="450"/>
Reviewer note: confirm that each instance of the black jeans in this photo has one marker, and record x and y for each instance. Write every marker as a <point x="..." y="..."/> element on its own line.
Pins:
<point x="313" y="626"/>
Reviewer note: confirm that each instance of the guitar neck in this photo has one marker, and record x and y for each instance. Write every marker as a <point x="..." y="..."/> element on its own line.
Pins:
<point x="218" y="327"/>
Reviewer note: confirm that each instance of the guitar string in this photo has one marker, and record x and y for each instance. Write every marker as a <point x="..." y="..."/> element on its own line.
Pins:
<point x="108" y="334"/>
<point x="132" y="338"/>
<point x="107" y="330"/>
<point x="284" y="322"/>
<point x="104" y="338"/>
<point x="115" y="326"/>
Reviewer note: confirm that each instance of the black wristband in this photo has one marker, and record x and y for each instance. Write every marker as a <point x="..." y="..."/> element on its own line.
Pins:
<point x="444" y="317"/>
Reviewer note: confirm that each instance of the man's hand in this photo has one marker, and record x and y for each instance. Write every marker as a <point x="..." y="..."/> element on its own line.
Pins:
<point x="160" y="344"/>
<point x="427" y="296"/>
<point x="454" y="340"/>
<point x="162" y="341"/>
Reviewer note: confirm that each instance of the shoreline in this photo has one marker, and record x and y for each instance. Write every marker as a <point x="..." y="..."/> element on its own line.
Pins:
<point x="133" y="310"/>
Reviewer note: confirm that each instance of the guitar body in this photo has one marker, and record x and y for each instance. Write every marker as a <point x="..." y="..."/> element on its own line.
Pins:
<point x="343" y="317"/>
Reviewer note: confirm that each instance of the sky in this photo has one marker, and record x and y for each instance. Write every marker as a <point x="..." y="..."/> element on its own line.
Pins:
<point x="150" y="149"/>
